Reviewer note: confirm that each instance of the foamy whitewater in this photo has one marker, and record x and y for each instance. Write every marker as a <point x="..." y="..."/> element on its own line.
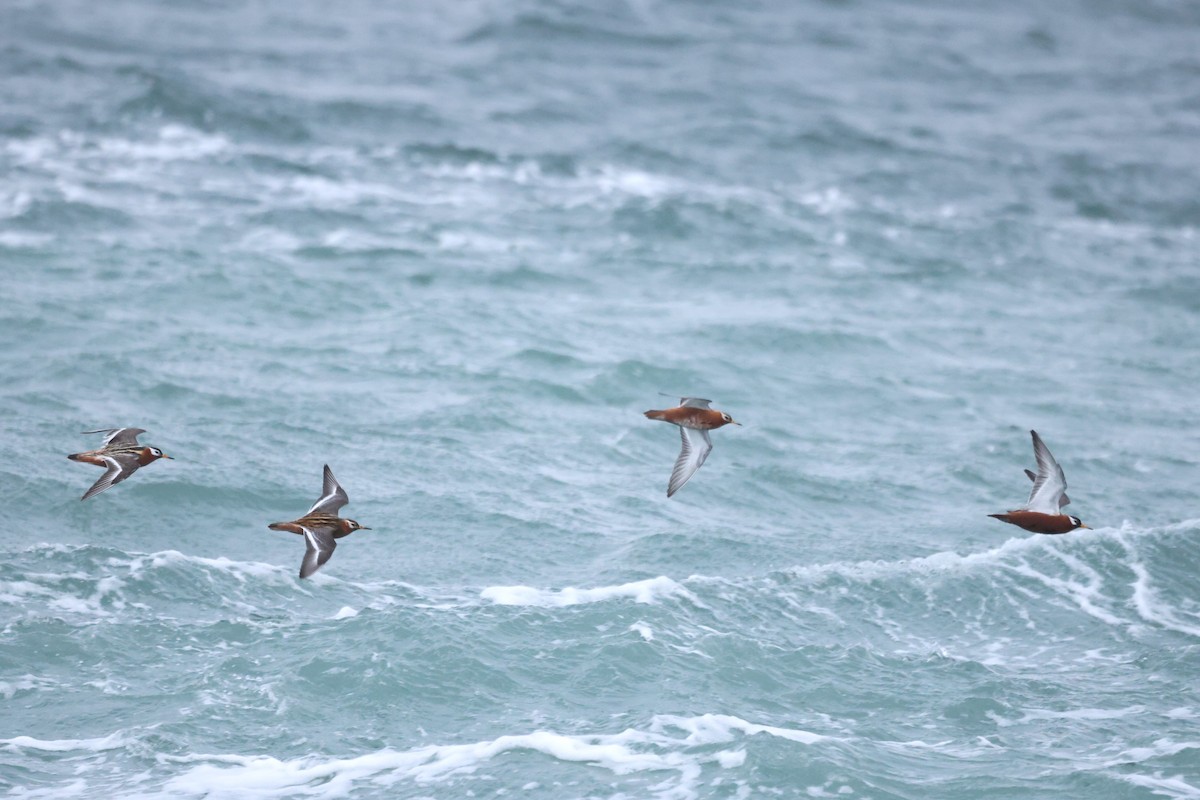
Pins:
<point x="454" y="251"/>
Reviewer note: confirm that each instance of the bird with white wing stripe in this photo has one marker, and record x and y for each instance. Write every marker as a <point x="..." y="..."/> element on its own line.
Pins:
<point x="1043" y="511"/>
<point x="120" y="455"/>
<point x="695" y="418"/>
<point x="321" y="525"/>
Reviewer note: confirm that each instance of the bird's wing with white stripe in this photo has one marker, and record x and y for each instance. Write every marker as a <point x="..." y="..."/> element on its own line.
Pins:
<point x="695" y="402"/>
<point x="1050" y="484"/>
<point x="705" y="449"/>
<point x="319" y="546"/>
<point x="691" y="455"/>
<point x="119" y="435"/>
<point x="333" y="496"/>
<point x="1062" y="501"/>
<point x="119" y="468"/>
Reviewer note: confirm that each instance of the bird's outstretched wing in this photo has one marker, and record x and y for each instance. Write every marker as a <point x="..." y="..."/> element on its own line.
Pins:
<point x="333" y="496"/>
<point x="120" y="467"/>
<point x="1049" y="484"/>
<point x="1062" y="501"/>
<point x="692" y="402"/>
<point x="692" y="454"/>
<point x="119" y="435"/>
<point x="319" y="546"/>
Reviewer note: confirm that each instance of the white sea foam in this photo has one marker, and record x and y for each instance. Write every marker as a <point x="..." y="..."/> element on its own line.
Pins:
<point x="25" y="683"/>
<point x="17" y="592"/>
<point x="1152" y="609"/>
<point x="322" y="192"/>
<point x="477" y="242"/>
<point x="75" y="788"/>
<point x="478" y="171"/>
<point x="1010" y="553"/>
<point x="1083" y="573"/>
<point x="828" y="201"/>
<point x="718" y="728"/>
<point x="1160" y="748"/>
<point x="240" y="570"/>
<point x="101" y="593"/>
<point x="111" y="742"/>
<point x="1166" y="786"/>
<point x="16" y="239"/>
<point x="1089" y="588"/>
<point x="349" y="240"/>
<point x="1088" y="595"/>
<point x="345" y="612"/>
<point x="631" y="182"/>
<point x="655" y="750"/>
<point x="107" y="591"/>
<point x="945" y="562"/>
<point x="1033" y="714"/>
<point x="1120" y="766"/>
<point x="174" y="143"/>
<point x="594" y="183"/>
<point x="644" y="630"/>
<point x="647" y="591"/>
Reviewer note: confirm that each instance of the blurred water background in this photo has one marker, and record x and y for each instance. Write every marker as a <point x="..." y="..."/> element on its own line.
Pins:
<point x="454" y="250"/>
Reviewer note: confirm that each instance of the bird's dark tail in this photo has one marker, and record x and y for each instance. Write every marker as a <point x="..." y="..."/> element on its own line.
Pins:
<point x="74" y="456"/>
<point x="278" y="526"/>
<point x="652" y="414"/>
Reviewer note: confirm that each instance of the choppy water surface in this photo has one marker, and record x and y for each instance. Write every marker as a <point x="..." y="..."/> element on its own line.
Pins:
<point x="454" y="251"/>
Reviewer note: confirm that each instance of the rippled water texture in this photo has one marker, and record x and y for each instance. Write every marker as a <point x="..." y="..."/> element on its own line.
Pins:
<point x="454" y="251"/>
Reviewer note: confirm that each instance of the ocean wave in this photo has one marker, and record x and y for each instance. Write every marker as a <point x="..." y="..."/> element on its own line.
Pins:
<point x="51" y="213"/>
<point x="1164" y="785"/>
<point x="602" y="26"/>
<point x="26" y="683"/>
<point x="88" y="584"/>
<point x="166" y="143"/>
<point x="114" y="741"/>
<point x="674" y="754"/>
<point x="974" y="608"/>
<point x="1011" y="554"/>
<point x="85" y="584"/>
<point x="647" y="591"/>
<point x="185" y="99"/>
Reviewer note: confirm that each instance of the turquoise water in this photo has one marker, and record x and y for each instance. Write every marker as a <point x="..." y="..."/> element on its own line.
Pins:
<point x="454" y="251"/>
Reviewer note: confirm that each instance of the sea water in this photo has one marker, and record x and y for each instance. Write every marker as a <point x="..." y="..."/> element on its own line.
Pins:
<point x="454" y="250"/>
